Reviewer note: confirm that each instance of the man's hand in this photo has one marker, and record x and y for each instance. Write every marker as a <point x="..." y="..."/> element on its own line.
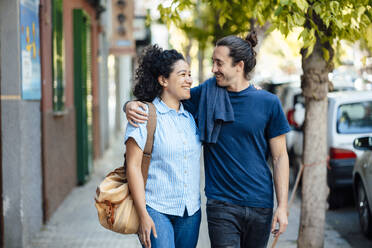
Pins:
<point x="281" y="218"/>
<point x="134" y="114"/>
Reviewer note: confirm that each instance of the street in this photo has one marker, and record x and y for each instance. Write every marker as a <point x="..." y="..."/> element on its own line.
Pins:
<point x="75" y="223"/>
<point x="346" y="222"/>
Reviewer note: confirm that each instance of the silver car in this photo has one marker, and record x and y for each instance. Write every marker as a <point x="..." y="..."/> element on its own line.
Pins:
<point x="349" y="117"/>
<point x="362" y="184"/>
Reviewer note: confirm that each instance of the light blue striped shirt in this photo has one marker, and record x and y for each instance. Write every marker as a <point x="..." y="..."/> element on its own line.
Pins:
<point x="173" y="182"/>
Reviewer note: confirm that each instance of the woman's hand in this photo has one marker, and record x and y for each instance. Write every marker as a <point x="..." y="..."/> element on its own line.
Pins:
<point x="134" y="114"/>
<point x="257" y="87"/>
<point x="144" y="230"/>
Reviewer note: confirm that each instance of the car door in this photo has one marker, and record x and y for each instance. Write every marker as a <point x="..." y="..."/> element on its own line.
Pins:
<point x="368" y="177"/>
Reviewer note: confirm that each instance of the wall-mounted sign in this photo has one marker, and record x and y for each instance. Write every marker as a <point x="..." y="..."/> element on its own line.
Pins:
<point x="139" y="28"/>
<point x="122" y="40"/>
<point x="30" y="49"/>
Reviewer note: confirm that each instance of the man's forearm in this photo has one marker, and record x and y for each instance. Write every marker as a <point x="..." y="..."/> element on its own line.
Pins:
<point x="281" y="179"/>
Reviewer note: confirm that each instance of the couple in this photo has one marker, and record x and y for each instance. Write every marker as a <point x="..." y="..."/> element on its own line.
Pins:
<point x="239" y="127"/>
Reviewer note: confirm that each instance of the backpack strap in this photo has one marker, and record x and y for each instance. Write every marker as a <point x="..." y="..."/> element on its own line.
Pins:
<point x="151" y="127"/>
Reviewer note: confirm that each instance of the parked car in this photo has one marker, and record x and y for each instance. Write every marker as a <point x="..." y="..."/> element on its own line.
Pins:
<point x="273" y="87"/>
<point x="362" y="184"/>
<point x="293" y="104"/>
<point x="349" y="117"/>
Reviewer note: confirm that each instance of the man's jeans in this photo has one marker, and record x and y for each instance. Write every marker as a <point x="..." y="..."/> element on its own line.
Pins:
<point x="235" y="226"/>
<point x="175" y="231"/>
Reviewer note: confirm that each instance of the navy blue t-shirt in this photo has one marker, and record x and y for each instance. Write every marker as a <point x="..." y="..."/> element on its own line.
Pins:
<point x="236" y="168"/>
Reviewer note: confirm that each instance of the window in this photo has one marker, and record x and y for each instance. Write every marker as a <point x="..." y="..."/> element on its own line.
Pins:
<point x="58" y="56"/>
<point x="355" y="118"/>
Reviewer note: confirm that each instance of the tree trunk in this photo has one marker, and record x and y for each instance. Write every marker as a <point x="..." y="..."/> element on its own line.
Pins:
<point x="201" y="55"/>
<point x="314" y="84"/>
<point x="187" y="50"/>
<point x="261" y="32"/>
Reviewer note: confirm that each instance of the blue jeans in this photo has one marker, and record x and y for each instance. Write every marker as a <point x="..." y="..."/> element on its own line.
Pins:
<point x="234" y="226"/>
<point x="175" y="231"/>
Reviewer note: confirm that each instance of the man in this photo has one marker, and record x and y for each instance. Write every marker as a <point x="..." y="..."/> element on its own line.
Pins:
<point x="238" y="180"/>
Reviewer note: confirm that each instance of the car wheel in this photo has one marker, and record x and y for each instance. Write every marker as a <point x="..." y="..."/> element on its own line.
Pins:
<point x="365" y="218"/>
<point x="292" y="169"/>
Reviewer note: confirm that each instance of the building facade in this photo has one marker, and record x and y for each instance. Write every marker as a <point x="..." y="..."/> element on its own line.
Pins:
<point x="21" y="134"/>
<point x="54" y="105"/>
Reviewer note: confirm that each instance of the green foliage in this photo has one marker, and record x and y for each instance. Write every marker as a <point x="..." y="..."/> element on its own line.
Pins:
<point x="212" y="20"/>
<point x="329" y="20"/>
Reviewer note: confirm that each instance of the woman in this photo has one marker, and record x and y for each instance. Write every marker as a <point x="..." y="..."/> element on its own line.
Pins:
<point x="169" y="206"/>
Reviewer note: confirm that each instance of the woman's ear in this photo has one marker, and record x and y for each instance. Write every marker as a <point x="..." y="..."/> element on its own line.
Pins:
<point x="162" y="81"/>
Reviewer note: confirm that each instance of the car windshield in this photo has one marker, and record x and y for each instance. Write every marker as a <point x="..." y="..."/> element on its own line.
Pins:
<point x="355" y="118"/>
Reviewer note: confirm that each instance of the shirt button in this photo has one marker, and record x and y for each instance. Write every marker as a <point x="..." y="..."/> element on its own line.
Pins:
<point x="184" y="142"/>
<point x="184" y="157"/>
<point x="185" y="185"/>
<point x="185" y="172"/>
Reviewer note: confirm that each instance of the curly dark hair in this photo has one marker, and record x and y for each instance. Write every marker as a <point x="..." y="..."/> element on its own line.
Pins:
<point x="153" y="62"/>
<point x="241" y="50"/>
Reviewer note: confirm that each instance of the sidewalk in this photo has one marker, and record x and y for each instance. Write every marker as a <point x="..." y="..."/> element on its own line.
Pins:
<point x="75" y="223"/>
<point x="288" y="239"/>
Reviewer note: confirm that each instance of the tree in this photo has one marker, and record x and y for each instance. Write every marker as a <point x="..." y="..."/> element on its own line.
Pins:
<point x="206" y="23"/>
<point x="325" y="23"/>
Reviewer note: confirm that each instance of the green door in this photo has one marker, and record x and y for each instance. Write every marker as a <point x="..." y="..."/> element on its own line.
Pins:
<point x="83" y="94"/>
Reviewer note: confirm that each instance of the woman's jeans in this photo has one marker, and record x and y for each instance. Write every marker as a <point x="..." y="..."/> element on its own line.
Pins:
<point x="175" y="231"/>
<point x="235" y="226"/>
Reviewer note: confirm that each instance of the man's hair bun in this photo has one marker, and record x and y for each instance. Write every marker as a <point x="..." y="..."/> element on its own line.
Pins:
<point x="252" y="38"/>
